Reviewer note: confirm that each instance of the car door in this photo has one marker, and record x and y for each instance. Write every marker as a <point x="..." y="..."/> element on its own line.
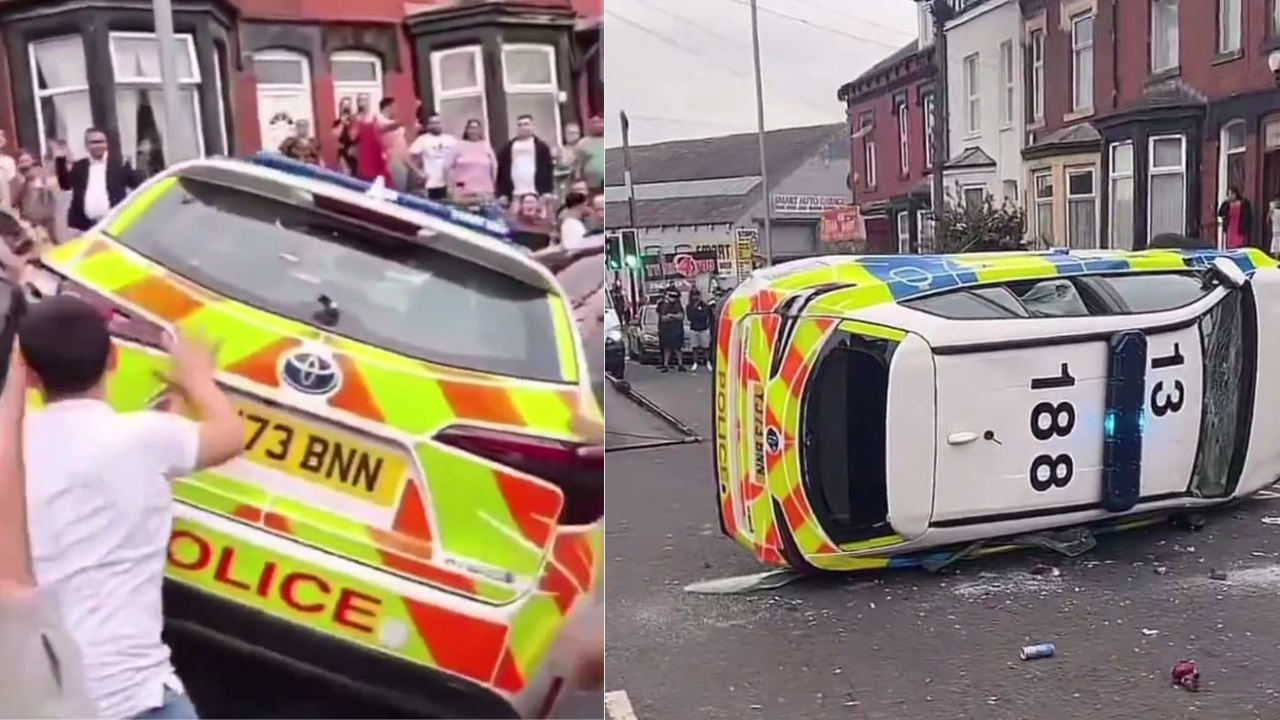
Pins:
<point x="1026" y="396"/>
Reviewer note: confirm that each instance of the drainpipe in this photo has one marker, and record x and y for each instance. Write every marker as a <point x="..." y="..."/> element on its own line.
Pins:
<point x="1115" y="60"/>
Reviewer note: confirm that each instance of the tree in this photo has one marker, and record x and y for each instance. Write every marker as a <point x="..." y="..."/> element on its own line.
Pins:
<point x="965" y="227"/>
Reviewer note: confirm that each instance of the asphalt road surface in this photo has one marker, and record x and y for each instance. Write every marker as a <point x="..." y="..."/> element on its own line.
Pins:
<point x="910" y="645"/>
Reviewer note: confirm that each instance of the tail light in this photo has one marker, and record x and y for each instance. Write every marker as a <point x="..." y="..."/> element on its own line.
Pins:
<point x="121" y="322"/>
<point x="573" y="467"/>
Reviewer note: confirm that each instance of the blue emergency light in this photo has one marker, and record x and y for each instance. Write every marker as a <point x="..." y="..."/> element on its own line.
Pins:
<point x="492" y="227"/>
<point x="1124" y="421"/>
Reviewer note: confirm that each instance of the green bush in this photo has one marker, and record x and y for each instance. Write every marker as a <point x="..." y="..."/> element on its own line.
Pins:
<point x="979" y="227"/>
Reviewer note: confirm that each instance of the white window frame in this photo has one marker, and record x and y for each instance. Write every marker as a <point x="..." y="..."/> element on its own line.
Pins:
<point x="904" y="137"/>
<point x="184" y="40"/>
<point x="924" y="226"/>
<point x="276" y="55"/>
<point x="1007" y="79"/>
<point x="1092" y="172"/>
<point x="928" y="106"/>
<point x="1037" y="201"/>
<point x="219" y="88"/>
<point x="191" y="82"/>
<point x="1078" y="49"/>
<point x="1275" y="20"/>
<point x="1037" y="74"/>
<point x="1153" y="171"/>
<point x="966" y="189"/>
<point x="904" y="231"/>
<point x="1172" y="62"/>
<point x="372" y="88"/>
<point x="1115" y="177"/>
<point x="478" y="90"/>
<point x="552" y="89"/>
<point x="1230" y="34"/>
<point x="51" y="92"/>
<point x="972" y="95"/>
<point x="869" y="160"/>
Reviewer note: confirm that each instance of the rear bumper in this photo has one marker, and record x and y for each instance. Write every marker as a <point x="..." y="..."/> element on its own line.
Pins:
<point x="380" y="679"/>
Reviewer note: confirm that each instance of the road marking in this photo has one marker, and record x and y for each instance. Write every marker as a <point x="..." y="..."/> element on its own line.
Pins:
<point x="617" y="706"/>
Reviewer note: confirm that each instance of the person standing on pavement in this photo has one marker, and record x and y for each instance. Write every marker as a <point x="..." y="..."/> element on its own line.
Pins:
<point x="100" y="517"/>
<point x="472" y="166"/>
<point x="698" y="313"/>
<point x="34" y="198"/>
<point x="525" y="165"/>
<point x="8" y="171"/>
<point x="1236" y="215"/>
<point x="671" y="331"/>
<point x="97" y="183"/>
<point x="431" y="152"/>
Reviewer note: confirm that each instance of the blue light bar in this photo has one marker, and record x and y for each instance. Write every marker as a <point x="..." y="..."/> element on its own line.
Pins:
<point x="488" y="226"/>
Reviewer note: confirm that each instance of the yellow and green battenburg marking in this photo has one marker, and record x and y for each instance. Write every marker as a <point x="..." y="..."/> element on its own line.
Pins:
<point x="867" y="281"/>
<point x="481" y="516"/>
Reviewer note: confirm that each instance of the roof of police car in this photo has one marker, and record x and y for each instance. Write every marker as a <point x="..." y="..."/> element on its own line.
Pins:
<point x="910" y="276"/>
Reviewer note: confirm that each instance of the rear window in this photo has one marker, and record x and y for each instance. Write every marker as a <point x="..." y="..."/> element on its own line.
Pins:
<point x="388" y="292"/>
<point x="1152" y="292"/>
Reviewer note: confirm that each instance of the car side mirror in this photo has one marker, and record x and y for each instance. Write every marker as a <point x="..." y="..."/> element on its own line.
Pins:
<point x="1228" y="273"/>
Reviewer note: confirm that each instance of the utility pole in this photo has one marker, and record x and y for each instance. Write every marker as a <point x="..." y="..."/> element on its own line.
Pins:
<point x="174" y="131"/>
<point x="631" y="201"/>
<point x="764" y="171"/>
<point x="941" y="10"/>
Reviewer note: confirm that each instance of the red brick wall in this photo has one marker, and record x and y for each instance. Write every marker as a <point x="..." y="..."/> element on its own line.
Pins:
<point x="1057" y="70"/>
<point x="399" y="85"/>
<point x="889" y="179"/>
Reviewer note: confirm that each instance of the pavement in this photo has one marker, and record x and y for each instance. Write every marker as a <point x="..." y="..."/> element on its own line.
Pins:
<point x="907" y="644"/>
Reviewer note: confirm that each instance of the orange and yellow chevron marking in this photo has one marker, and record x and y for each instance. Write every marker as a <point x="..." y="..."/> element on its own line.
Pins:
<point x="354" y="395"/>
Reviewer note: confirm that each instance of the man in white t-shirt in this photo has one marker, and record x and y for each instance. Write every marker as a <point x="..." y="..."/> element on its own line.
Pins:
<point x="431" y="153"/>
<point x="8" y="171"/>
<point x="525" y="165"/>
<point x="573" y="231"/>
<point x="99" y="503"/>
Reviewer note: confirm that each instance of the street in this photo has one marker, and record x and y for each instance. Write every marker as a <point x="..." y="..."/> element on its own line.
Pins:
<point x="908" y="644"/>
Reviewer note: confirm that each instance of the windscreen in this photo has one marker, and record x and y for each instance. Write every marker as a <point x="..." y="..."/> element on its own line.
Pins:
<point x="349" y="278"/>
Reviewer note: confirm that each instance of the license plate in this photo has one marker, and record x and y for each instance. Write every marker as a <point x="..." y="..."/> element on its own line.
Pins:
<point x="324" y="456"/>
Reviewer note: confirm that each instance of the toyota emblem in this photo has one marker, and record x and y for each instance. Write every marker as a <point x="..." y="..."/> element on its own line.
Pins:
<point x="310" y="373"/>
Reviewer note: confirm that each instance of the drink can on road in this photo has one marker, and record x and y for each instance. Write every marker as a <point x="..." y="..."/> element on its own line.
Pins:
<point x="1038" y="651"/>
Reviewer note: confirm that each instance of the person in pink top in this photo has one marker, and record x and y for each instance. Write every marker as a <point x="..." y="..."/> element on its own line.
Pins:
<point x="472" y="166"/>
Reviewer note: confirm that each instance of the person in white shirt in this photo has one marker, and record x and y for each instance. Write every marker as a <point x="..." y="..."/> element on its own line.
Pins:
<point x="1274" y="217"/>
<point x="8" y="171"/>
<point x="525" y="165"/>
<point x="431" y="151"/>
<point x="100" y="517"/>
<point x="573" y="231"/>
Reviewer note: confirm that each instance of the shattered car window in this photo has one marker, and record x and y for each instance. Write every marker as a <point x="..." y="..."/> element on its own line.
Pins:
<point x="1221" y="337"/>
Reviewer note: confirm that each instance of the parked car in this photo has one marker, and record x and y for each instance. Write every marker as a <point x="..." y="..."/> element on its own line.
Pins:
<point x="642" y="338"/>
<point x="877" y="411"/>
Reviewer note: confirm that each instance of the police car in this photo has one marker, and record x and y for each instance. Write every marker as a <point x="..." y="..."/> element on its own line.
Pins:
<point x="870" y="410"/>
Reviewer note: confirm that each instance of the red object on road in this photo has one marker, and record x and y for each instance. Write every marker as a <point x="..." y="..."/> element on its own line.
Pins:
<point x="1186" y="676"/>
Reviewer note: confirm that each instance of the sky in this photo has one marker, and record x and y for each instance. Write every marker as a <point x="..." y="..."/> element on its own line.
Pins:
<point x="683" y="69"/>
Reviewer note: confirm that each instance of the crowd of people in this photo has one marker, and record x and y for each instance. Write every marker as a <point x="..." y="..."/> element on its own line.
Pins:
<point x="548" y="191"/>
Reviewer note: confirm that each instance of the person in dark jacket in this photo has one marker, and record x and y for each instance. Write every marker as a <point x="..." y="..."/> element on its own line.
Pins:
<point x="698" y="313"/>
<point x="671" y="331"/>
<point x="525" y="165"/>
<point x="97" y="183"/>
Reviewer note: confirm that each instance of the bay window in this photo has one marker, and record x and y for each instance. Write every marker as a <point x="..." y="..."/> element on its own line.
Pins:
<point x="529" y="81"/>
<point x="457" y="82"/>
<point x="973" y="196"/>
<point x="59" y="75"/>
<point x="1164" y="35"/>
<point x="1167" y="185"/>
<point x="1042" y="195"/>
<point x="140" y="108"/>
<point x="1120" y="215"/>
<point x="1082" y="209"/>
<point x="1082" y="63"/>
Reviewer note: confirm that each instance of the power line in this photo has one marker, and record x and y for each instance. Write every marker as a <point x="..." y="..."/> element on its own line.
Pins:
<point x="685" y="121"/>
<point x="818" y="26"/>
<point x="906" y="34"/>
<point x="706" y="58"/>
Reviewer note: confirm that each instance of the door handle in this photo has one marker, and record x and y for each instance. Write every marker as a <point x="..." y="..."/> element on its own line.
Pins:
<point x="961" y="438"/>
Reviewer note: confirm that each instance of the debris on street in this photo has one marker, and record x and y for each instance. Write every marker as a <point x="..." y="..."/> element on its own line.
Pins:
<point x="1186" y="676"/>
<point x="1038" y="651"/>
